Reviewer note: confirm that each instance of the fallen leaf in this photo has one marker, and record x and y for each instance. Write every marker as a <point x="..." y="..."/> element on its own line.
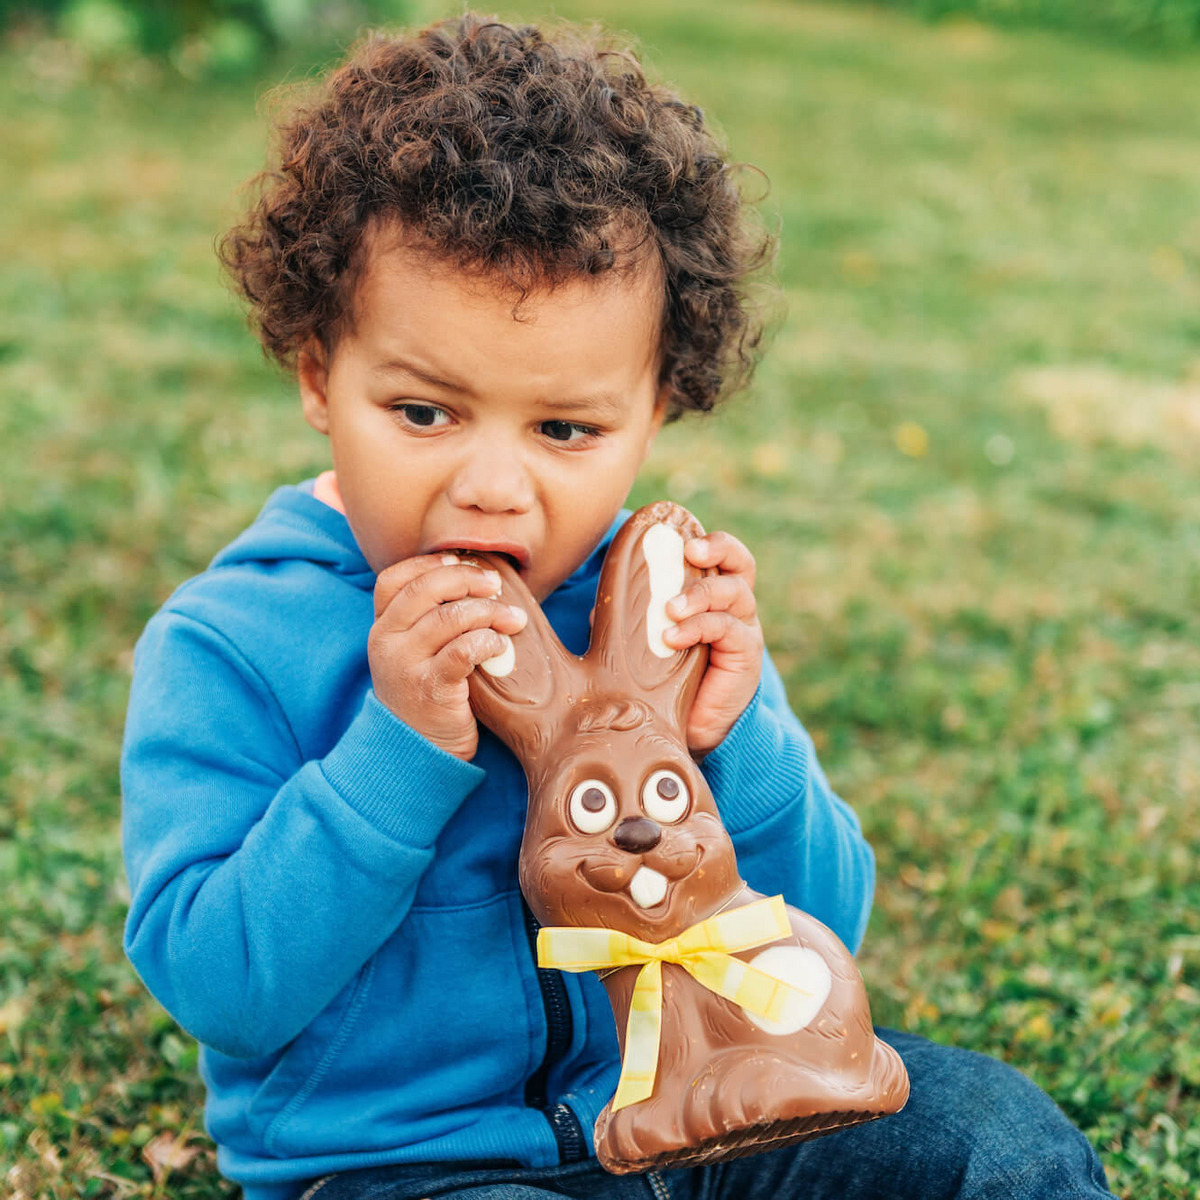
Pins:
<point x="45" y="1104"/>
<point x="13" y="1013"/>
<point x="769" y="460"/>
<point x="911" y="439"/>
<point x="166" y="1153"/>
<point x="1039" y="1028"/>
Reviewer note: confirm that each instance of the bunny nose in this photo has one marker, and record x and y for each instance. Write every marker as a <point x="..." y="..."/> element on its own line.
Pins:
<point x="637" y="835"/>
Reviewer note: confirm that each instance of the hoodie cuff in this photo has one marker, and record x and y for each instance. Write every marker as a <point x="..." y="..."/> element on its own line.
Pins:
<point x="758" y="769"/>
<point x="401" y="783"/>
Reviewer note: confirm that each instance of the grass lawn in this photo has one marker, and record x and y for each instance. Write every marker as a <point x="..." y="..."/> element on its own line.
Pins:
<point x="968" y="468"/>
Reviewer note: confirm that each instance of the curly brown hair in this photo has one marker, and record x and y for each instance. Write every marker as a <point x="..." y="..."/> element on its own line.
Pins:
<point x="530" y="158"/>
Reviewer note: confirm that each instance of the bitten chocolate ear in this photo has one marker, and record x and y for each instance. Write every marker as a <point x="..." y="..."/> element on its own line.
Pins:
<point x="644" y="569"/>
<point x="511" y="693"/>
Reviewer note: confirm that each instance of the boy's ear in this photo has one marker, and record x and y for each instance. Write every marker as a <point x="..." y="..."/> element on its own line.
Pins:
<point x="661" y="401"/>
<point x="312" y="376"/>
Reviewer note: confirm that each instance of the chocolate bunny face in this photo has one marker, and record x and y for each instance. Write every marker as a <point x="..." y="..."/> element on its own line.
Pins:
<point x="627" y="827"/>
<point x="619" y="815"/>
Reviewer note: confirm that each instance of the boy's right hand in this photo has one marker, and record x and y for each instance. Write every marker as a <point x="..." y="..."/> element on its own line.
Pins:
<point x="436" y="618"/>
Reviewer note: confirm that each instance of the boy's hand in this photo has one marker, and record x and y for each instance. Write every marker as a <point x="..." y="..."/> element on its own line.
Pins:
<point x="720" y="610"/>
<point x="436" y="618"/>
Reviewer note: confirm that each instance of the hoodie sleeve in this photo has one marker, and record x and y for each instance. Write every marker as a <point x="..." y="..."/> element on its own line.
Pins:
<point x="792" y="834"/>
<point x="261" y="883"/>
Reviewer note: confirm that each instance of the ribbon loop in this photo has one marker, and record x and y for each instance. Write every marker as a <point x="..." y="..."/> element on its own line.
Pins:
<point x="705" y="951"/>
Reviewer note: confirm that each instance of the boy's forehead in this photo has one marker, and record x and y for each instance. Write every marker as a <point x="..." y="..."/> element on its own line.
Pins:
<point x="407" y="289"/>
<point x="390" y="253"/>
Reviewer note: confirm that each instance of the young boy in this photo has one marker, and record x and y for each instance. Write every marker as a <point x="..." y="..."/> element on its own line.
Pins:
<point x="496" y="264"/>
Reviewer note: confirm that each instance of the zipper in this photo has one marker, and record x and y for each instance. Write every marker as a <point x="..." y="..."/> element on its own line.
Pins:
<point x="658" y="1186"/>
<point x="572" y="1146"/>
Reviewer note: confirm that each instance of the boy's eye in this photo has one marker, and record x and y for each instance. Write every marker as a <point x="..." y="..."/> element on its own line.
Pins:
<point x="567" y="431"/>
<point x="425" y="416"/>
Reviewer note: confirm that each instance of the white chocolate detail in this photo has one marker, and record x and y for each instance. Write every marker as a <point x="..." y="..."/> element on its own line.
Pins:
<point x="662" y="548"/>
<point x="502" y="663"/>
<point x="803" y="969"/>
<point x="666" y="810"/>
<point x="647" y="887"/>
<point x="585" y="816"/>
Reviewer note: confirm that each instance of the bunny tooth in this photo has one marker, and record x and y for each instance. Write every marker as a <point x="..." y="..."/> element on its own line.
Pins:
<point x="647" y="887"/>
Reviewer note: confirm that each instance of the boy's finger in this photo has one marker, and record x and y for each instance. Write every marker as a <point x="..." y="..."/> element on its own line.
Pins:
<point x="399" y="575"/>
<point x="716" y="629"/>
<point x="441" y="625"/>
<point x="715" y="593"/>
<point x="723" y="551"/>
<point x="406" y="596"/>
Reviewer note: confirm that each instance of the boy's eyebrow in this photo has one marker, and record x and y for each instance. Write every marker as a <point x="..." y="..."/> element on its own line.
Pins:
<point x="399" y="366"/>
<point x="597" y="403"/>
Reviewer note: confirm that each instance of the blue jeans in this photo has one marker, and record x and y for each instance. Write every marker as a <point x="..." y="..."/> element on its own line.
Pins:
<point x="973" y="1127"/>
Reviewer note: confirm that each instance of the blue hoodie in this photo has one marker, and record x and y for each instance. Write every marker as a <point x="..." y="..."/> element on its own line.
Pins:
<point x="328" y="903"/>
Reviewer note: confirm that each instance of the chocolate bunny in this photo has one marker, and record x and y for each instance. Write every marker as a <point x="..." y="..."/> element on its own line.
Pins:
<point x="622" y="834"/>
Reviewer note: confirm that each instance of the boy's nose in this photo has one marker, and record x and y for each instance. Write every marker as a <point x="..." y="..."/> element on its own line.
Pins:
<point x="492" y="479"/>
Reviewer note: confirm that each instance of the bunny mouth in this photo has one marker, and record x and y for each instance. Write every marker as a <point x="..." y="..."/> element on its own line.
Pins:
<point x="648" y="887"/>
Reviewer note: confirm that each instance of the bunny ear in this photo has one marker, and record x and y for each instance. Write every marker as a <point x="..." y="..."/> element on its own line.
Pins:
<point x="645" y="568"/>
<point x="510" y="693"/>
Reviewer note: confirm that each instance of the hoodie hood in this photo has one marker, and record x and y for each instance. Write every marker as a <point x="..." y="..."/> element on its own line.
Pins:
<point x="294" y="524"/>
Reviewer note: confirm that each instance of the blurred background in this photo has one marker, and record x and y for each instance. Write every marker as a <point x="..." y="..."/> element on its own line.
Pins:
<point x="968" y="467"/>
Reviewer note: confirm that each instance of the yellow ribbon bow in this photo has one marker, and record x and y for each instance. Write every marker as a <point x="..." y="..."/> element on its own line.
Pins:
<point x="705" y="951"/>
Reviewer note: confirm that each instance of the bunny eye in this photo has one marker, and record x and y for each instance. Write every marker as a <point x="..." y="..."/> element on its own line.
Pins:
<point x="665" y="797"/>
<point x="593" y="806"/>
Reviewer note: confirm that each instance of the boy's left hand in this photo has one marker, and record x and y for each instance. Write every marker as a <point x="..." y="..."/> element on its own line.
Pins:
<point x="721" y="610"/>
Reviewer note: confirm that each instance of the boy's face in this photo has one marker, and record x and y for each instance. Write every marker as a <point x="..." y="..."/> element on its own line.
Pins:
<point x="456" y="425"/>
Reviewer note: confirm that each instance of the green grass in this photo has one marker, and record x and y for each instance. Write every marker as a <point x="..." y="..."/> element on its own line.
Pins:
<point x="968" y="468"/>
<point x="1160" y="24"/>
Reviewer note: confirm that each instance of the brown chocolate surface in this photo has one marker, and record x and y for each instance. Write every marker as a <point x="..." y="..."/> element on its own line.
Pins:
<point x="622" y="832"/>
